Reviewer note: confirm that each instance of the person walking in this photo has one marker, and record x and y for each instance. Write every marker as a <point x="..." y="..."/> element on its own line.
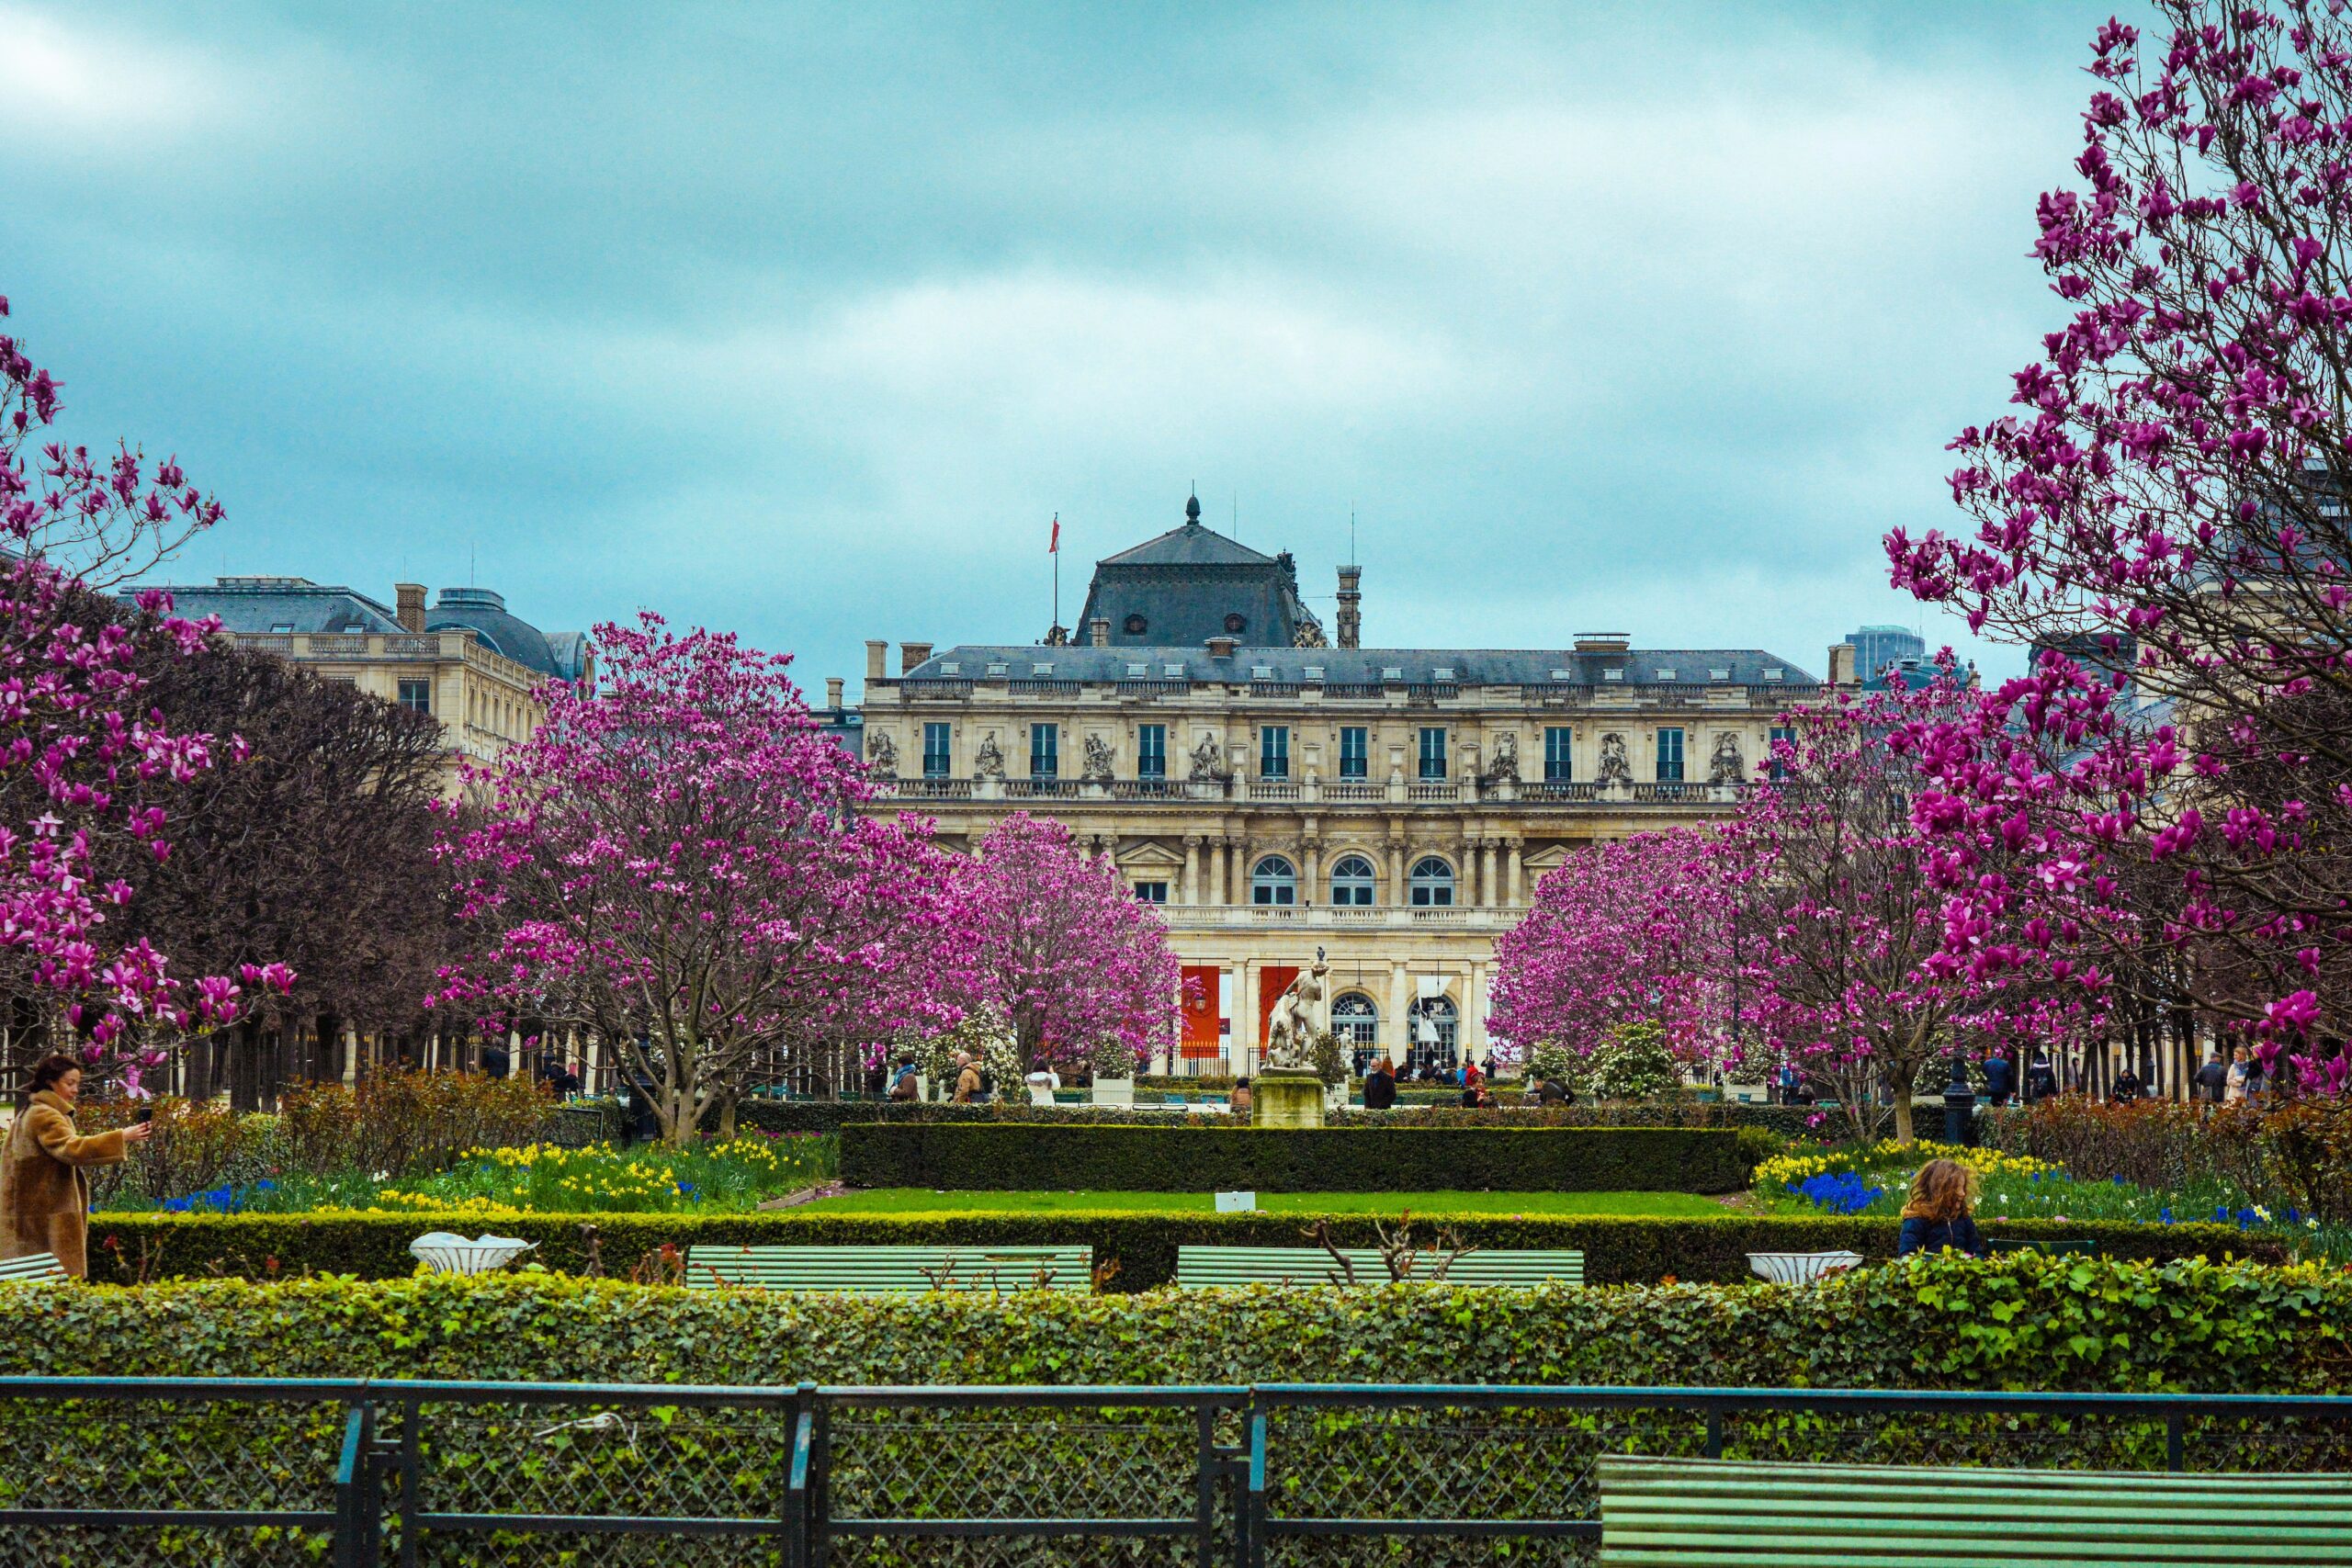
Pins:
<point x="1937" y="1216"/>
<point x="2041" y="1078"/>
<point x="968" y="1079"/>
<point x="44" y="1196"/>
<point x="2234" y="1080"/>
<point x="1380" y="1086"/>
<point x="2212" y="1079"/>
<point x="904" y="1087"/>
<point x="2000" y="1076"/>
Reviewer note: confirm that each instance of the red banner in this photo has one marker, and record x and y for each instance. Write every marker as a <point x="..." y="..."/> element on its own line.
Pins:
<point x="1274" y="979"/>
<point x="1201" y="1038"/>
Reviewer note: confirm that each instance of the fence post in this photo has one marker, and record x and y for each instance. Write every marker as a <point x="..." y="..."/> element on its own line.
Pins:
<point x="1714" y="1432"/>
<point x="820" y="1482"/>
<point x="412" y="1471"/>
<point x="1253" y="1509"/>
<point x="795" y="1493"/>
<point x="2175" y="1439"/>
<point x="358" y="1492"/>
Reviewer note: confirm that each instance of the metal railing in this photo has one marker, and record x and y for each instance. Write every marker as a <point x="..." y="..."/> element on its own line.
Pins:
<point x="373" y="1474"/>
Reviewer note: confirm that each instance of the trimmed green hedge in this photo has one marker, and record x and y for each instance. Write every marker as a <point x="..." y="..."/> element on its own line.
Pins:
<point x="962" y="1158"/>
<point x="832" y="1115"/>
<point x="1138" y="1249"/>
<point x="2034" y="1322"/>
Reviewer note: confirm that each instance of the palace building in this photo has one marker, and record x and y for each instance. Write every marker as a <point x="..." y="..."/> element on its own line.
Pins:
<point x="1277" y="789"/>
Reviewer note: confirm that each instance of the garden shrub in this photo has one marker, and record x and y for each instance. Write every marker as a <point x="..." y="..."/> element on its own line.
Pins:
<point x="2292" y="1155"/>
<point x="1138" y="1249"/>
<point x="1684" y="1111"/>
<point x="1191" y="1158"/>
<point x="1631" y="1063"/>
<point x="196" y="1145"/>
<point x="402" y="1122"/>
<point x="2064" y="1323"/>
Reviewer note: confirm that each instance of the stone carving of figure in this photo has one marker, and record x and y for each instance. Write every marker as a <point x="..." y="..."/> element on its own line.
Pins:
<point x="881" y="754"/>
<point x="1056" y="635"/>
<point x="1614" y="768"/>
<point x="1505" y="766"/>
<point x="1310" y="634"/>
<point x="1726" y="766"/>
<point x="1296" y="1020"/>
<point x="987" y="762"/>
<point x="1208" y="761"/>
<point x="1098" y="761"/>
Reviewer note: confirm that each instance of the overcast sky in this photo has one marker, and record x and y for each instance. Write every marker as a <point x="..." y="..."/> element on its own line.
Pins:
<point x="804" y="321"/>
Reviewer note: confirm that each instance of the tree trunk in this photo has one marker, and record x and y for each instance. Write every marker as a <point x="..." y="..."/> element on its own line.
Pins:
<point x="1903" y="1114"/>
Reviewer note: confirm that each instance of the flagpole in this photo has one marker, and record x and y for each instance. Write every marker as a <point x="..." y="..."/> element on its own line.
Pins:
<point x="1057" y="569"/>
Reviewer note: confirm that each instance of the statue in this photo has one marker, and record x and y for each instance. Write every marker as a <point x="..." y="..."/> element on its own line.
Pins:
<point x="987" y="762"/>
<point x="1098" y="761"/>
<point x="1296" y="1020"/>
<point x="1208" y="761"/>
<point x="1614" y="768"/>
<point x="1505" y="766"/>
<point x="1726" y="766"/>
<point x="1309" y="634"/>
<point x="1056" y="635"/>
<point x="881" y="754"/>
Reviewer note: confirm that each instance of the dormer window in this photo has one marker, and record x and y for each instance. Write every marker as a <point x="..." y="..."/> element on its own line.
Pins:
<point x="1612" y="674"/>
<point x="1564" y="674"/>
<point x="1666" y="675"/>
<point x="1000" y="669"/>
<point x="1134" y="625"/>
<point x="1772" y="674"/>
<point x="1718" y="674"/>
<point x="951" y="668"/>
<point x="1262" y="671"/>
<point x="1135" y="671"/>
<point x="1312" y="672"/>
<point x="1440" y="674"/>
<point x="1176" y="670"/>
<point x="1392" y="672"/>
<point x="1041" y="669"/>
<point x="1237" y="624"/>
<point x="283" y="628"/>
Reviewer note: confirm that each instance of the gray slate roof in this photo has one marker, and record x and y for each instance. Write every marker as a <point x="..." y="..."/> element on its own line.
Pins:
<point x="483" y="612"/>
<point x="259" y="607"/>
<point x="1368" y="666"/>
<point x="1190" y="585"/>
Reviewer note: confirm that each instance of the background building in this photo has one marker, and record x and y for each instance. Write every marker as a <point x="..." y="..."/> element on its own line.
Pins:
<point x="1393" y="807"/>
<point x="1875" y="648"/>
<point x="466" y="660"/>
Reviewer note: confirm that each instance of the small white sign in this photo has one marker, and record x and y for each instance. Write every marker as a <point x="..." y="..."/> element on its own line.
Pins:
<point x="1237" y="1202"/>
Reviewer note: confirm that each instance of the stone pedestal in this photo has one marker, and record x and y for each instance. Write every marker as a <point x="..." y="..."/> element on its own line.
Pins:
<point x="1114" y="1091"/>
<point x="1286" y="1097"/>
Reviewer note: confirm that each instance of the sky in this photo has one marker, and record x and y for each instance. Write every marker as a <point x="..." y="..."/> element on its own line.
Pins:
<point x="803" y="322"/>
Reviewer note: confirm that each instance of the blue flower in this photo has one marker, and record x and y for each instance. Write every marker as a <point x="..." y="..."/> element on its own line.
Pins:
<point x="2116" y="1180"/>
<point x="2165" y="1214"/>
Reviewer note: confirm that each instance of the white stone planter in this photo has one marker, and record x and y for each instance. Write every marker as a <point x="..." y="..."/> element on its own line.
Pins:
<point x="1114" y="1091"/>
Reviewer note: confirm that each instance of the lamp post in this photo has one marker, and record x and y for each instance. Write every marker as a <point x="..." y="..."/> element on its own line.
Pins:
<point x="1960" y="1102"/>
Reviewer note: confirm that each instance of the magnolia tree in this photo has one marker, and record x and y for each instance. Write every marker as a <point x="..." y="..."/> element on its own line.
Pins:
<point x="676" y="861"/>
<point x="2170" y="511"/>
<point x="1063" y="949"/>
<point x="1634" y="933"/>
<point x="86" y="775"/>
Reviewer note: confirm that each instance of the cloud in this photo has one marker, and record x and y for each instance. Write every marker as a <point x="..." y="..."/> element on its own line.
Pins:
<point x="70" y="83"/>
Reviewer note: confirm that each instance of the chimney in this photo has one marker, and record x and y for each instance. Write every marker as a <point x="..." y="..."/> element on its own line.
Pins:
<point x="410" y="597"/>
<point x="833" y="692"/>
<point x="1350" y="606"/>
<point x="1841" y="665"/>
<point x="1223" y="646"/>
<point x="912" y="654"/>
<point x="876" y="654"/>
<point x="1098" y="632"/>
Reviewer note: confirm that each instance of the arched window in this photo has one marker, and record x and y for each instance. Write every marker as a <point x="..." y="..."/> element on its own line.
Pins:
<point x="1135" y="625"/>
<point x="1352" y="883"/>
<point x="1274" y="882"/>
<point x="1432" y="884"/>
<point x="1436" y="1034"/>
<point x="1355" y="1019"/>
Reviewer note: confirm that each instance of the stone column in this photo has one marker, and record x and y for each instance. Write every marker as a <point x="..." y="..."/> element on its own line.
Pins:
<point x="1512" y="848"/>
<point x="1245" y="1016"/>
<point x="1216" y="871"/>
<point x="1487" y="888"/>
<point x="1312" y="871"/>
<point x="1192" y="886"/>
<point x="1474" y="1011"/>
<point x="1399" y="896"/>
<point x="1393" y="1029"/>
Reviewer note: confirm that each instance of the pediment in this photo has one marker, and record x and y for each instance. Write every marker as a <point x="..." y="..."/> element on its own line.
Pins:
<point x="1148" y="854"/>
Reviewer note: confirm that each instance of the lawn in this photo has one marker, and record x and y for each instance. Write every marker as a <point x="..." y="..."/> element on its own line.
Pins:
<point x="922" y="1199"/>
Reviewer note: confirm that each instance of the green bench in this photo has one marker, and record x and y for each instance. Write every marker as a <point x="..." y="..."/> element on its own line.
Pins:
<point x="1678" y="1513"/>
<point x="2070" y="1248"/>
<point x="1197" y="1266"/>
<point x="870" y="1270"/>
<point x="35" y="1266"/>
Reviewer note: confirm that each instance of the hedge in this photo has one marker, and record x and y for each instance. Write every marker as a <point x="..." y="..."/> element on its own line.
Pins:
<point x="2031" y="1321"/>
<point x="832" y="1115"/>
<point x="1133" y="1251"/>
<point x="1187" y="1158"/>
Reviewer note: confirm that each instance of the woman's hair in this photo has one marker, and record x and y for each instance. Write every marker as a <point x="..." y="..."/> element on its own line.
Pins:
<point x="49" y="1069"/>
<point x="1944" y="1189"/>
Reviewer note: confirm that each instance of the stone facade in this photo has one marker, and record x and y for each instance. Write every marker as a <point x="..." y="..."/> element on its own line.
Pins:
<point x="1394" y="805"/>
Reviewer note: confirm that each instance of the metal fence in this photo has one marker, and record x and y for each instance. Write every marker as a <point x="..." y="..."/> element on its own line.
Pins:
<point x="377" y="1475"/>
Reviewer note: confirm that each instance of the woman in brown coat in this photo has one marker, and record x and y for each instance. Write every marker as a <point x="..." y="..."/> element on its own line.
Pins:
<point x="44" y="1197"/>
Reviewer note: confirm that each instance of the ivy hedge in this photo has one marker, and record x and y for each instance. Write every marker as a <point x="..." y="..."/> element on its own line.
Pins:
<point x="966" y="1157"/>
<point x="1133" y="1251"/>
<point x="2073" y="1322"/>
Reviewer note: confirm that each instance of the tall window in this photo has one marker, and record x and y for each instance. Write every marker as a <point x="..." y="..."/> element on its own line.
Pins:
<point x="1433" y="752"/>
<point x="1152" y="750"/>
<point x="938" y="756"/>
<point x="1436" y="1033"/>
<point x="1355" y="752"/>
<point x="1781" y="732"/>
<point x="1352" y="883"/>
<point x="1152" y="892"/>
<point x="1432" y="884"/>
<point x="1274" y="882"/>
<point x="417" y="696"/>
<point x="1355" y="1019"/>
<point x="1670" y="756"/>
<point x="1273" y="751"/>
<point x="1045" y="750"/>
<point x="1559" y="755"/>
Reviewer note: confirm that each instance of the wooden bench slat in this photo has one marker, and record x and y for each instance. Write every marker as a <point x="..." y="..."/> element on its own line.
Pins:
<point x="875" y="1269"/>
<point x="1676" y="1512"/>
<point x="1305" y="1266"/>
<point x="34" y="1266"/>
